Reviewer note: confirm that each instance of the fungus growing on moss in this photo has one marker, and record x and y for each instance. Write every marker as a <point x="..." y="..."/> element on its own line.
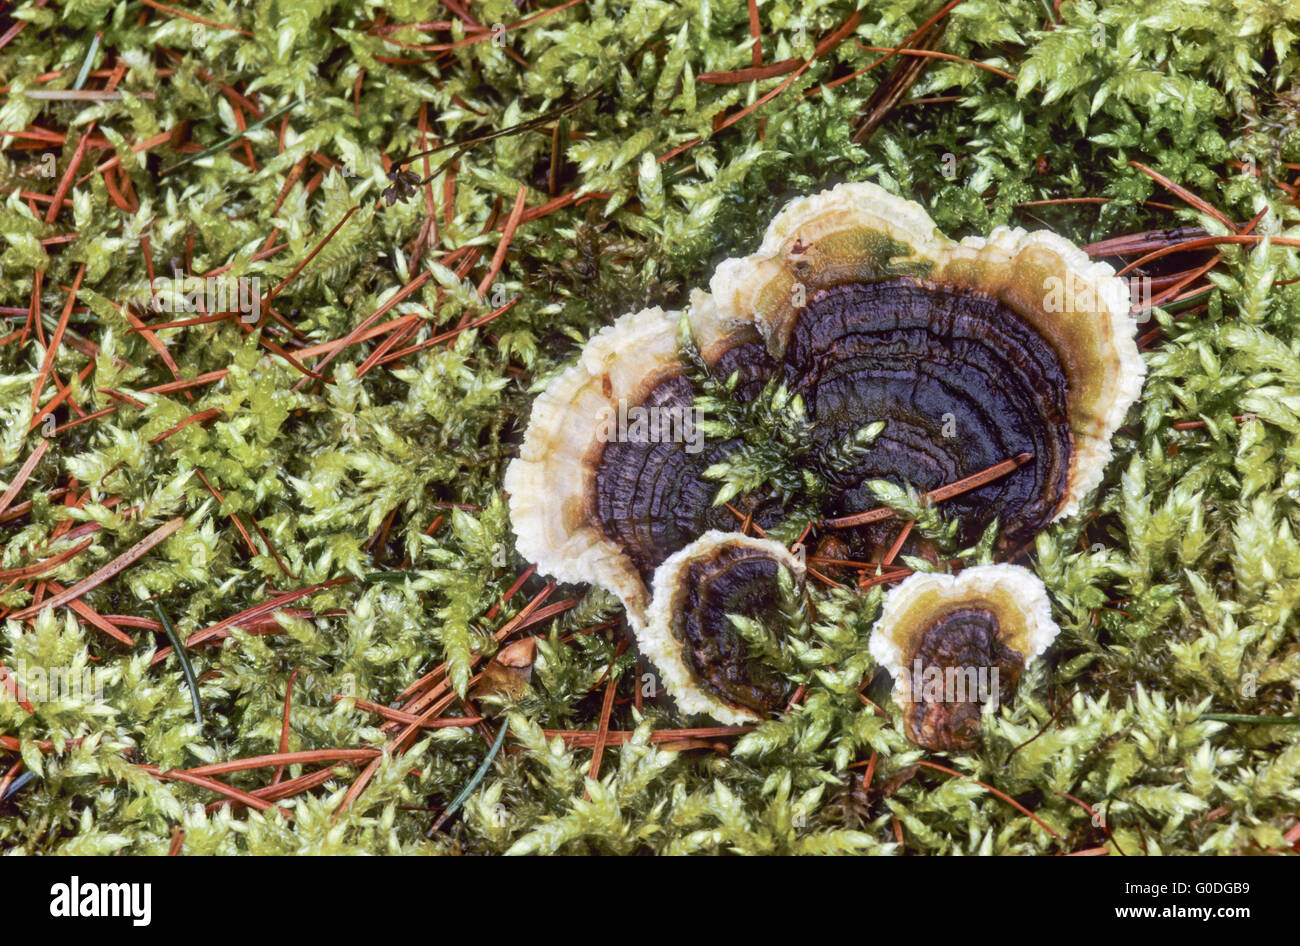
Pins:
<point x="972" y="348"/>
<point x="609" y="480"/>
<point x="715" y="605"/>
<point x="555" y="496"/>
<point x="1012" y="350"/>
<point x="953" y="644"/>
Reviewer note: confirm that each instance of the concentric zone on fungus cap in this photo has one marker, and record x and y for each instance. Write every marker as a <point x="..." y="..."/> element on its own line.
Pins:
<point x="952" y="643"/>
<point x="971" y="352"/>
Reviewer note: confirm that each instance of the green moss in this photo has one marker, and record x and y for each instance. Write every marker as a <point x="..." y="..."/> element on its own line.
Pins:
<point x="1176" y="590"/>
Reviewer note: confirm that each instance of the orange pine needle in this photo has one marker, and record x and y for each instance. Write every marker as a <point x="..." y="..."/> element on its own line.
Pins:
<point x="602" y="730"/>
<point x="284" y="725"/>
<point x="508" y="234"/>
<point x="104" y="574"/>
<point x="51" y="350"/>
<point x="24" y="472"/>
<point x="40" y="568"/>
<point x="956" y="488"/>
<point x="1005" y="797"/>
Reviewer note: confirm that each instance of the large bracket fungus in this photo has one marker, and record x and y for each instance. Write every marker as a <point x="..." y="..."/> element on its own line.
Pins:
<point x="974" y="351"/>
<point x="953" y="644"/>
<point x="971" y="353"/>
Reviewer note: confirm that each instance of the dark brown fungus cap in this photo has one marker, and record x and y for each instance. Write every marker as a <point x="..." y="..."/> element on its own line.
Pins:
<point x="705" y="661"/>
<point x="609" y="480"/>
<point x="554" y="487"/>
<point x="973" y="352"/>
<point x="953" y="644"/>
<point x="961" y="381"/>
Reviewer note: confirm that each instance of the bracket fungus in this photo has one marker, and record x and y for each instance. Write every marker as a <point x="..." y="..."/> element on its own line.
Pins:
<point x="954" y="643"/>
<point x="607" y="465"/>
<point x="973" y="351"/>
<point x="705" y="596"/>
<point x="1012" y="349"/>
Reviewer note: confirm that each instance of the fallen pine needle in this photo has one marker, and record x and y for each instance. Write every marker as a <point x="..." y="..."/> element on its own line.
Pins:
<point x="104" y="574"/>
<point x="1003" y="795"/>
<point x="190" y="680"/>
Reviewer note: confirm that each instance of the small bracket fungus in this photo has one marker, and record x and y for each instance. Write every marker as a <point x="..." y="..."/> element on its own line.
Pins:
<point x="1012" y="351"/>
<point x="707" y="597"/>
<point x="953" y="644"/>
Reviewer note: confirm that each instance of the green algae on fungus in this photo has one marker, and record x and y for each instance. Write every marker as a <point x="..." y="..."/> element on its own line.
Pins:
<point x="970" y="353"/>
